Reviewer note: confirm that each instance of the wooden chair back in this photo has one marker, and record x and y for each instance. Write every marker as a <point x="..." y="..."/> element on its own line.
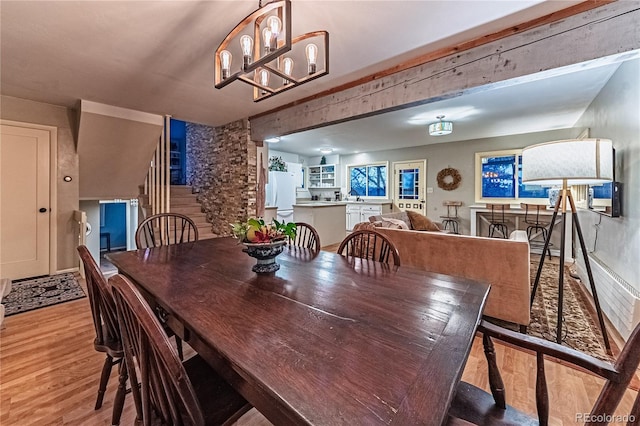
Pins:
<point x="471" y="404"/>
<point x="306" y="236"/>
<point x="451" y="205"/>
<point x="529" y="210"/>
<point x="103" y="309"/>
<point x="498" y="210"/>
<point x="165" y="387"/>
<point x="164" y="229"/>
<point x="369" y="244"/>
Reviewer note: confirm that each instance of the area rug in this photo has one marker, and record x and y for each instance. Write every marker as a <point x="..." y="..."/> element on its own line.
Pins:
<point x="580" y="328"/>
<point x="33" y="293"/>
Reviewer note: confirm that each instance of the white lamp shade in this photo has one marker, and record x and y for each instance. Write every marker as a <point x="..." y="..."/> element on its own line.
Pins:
<point x="579" y="161"/>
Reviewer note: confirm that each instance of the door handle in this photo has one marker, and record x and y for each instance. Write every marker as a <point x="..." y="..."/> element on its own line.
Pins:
<point x="42" y="210"/>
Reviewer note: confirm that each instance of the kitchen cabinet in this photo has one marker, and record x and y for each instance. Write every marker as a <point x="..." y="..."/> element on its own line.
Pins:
<point x="357" y="213"/>
<point x="323" y="176"/>
<point x="326" y="218"/>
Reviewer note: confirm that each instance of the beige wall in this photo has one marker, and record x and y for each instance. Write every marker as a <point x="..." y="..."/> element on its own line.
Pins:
<point x="25" y="111"/>
<point x="458" y="155"/>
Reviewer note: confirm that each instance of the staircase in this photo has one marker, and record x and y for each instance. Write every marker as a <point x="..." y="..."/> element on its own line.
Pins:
<point x="185" y="202"/>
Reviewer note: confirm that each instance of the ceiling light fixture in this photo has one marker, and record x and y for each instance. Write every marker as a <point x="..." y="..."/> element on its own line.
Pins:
<point x="440" y="128"/>
<point x="326" y="150"/>
<point x="261" y="40"/>
<point x="274" y="139"/>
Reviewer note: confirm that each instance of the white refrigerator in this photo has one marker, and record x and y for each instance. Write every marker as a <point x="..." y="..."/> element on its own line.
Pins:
<point x="281" y="192"/>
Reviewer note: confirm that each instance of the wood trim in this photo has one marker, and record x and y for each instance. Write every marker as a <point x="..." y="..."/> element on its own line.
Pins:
<point x="446" y="51"/>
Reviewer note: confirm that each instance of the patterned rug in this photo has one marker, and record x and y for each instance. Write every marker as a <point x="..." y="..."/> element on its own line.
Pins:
<point x="33" y="293"/>
<point x="580" y="328"/>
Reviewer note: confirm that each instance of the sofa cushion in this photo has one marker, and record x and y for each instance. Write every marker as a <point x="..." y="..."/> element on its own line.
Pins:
<point x="366" y="225"/>
<point x="420" y="222"/>
<point x="403" y="216"/>
<point x="392" y="223"/>
<point x="360" y="243"/>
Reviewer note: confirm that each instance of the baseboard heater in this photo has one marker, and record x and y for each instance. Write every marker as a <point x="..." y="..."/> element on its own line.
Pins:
<point x="620" y="302"/>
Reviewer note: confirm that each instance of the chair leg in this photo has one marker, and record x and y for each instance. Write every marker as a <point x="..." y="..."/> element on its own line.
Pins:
<point x="104" y="379"/>
<point x="118" y="402"/>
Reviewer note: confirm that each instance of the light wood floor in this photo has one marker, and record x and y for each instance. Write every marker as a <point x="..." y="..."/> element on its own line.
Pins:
<point x="49" y="374"/>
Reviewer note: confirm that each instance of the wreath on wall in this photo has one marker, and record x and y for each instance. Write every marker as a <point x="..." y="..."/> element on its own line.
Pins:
<point x="449" y="179"/>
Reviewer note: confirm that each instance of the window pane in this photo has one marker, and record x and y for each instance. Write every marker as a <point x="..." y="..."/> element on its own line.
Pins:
<point x="368" y="180"/>
<point x="498" y="177"/>
<point x="358" y="179"/>
<point x="377" y="181"/>
<point x="529" y="190"/>
<point x="408" y="184"/>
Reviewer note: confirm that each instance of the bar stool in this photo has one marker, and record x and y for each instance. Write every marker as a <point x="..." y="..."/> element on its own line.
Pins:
<point x="498" y="222"/>
<point x="451" y="219"/>
<point x="536" y="227"/>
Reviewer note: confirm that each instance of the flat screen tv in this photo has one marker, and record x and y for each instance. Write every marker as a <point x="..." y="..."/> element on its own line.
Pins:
<point x="605" y="198"/>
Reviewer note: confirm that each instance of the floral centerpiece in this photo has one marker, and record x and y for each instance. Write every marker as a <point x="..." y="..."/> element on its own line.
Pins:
<point x="263" y="241"/>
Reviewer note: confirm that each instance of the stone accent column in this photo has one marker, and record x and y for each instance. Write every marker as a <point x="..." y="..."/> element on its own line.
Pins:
<point x="221" y="168"/>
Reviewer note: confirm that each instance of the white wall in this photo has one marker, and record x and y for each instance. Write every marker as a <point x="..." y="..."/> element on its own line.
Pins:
<point x="459" y="155"/>
<point x="92" y="208"/>
<point x="615" y="114"/>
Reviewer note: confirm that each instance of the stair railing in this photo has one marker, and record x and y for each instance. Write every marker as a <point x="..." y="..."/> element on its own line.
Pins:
<point x="157" y="185"/>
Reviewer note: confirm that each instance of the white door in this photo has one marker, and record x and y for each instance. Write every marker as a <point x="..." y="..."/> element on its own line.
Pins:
<point x="409" y="181"/>
<point x="24" y="203"/>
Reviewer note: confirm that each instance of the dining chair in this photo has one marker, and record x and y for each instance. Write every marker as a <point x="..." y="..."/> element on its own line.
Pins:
<point x="164" y="229"/>
<point x="173" y="392"/>
<point x="369" y="244"/>
<point x="306" y="236"/>
<point x="105" y="322"/>
<point x="472" y="404"/>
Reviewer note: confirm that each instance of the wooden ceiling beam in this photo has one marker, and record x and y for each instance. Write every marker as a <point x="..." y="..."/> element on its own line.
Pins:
<point x="435" y="55"/>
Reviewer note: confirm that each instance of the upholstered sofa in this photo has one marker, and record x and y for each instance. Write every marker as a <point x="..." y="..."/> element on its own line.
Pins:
<point x="503" y="263"/>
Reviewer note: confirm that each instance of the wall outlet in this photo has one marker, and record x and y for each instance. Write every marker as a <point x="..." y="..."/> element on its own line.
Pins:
<point x="429" y="190"/>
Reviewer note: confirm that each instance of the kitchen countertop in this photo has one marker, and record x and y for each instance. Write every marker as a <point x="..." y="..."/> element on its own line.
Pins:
<point x="315" y="204"/>
<point x="337" y="203"/>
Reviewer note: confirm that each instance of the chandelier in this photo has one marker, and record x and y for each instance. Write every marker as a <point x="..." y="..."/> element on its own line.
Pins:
<point x="261" y="52"/>
<point x="440" y="128"/>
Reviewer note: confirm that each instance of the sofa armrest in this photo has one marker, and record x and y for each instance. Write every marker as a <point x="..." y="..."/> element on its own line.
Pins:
<point x="519" y="235"/>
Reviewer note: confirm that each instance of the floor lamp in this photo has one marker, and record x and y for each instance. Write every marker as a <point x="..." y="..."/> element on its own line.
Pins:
<point x="568" y="162"/>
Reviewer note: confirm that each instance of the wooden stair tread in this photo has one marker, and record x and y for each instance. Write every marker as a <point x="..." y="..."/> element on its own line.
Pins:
<point x="184" y="201"/>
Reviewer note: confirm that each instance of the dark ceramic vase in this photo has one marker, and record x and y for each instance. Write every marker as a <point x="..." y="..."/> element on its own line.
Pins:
<point x="265" y="254"/>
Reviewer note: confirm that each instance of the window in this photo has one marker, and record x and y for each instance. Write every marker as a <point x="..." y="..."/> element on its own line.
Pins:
<point x="499" y="178"/>
<point x="368" y="180"/>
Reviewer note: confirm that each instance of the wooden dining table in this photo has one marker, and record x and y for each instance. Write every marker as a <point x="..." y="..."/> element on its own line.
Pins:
<point x="326" y="339"/>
